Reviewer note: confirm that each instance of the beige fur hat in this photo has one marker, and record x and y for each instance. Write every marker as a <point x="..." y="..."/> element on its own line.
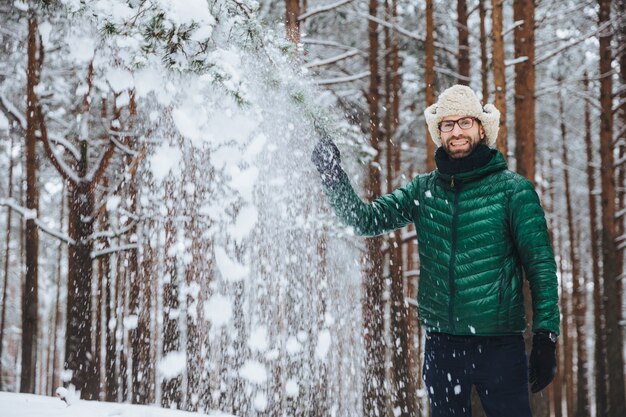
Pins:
<point x="461" y="100"/>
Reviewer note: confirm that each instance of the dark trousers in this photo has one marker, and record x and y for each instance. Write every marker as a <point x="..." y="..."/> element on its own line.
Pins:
<point x="497" y="366"/>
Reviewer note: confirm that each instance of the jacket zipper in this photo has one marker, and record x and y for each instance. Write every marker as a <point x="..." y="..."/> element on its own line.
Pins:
<point x="455" y="216"/>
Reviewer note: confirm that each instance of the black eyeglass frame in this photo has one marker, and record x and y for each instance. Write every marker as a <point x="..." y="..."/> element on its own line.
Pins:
<point x="456" y="122"/>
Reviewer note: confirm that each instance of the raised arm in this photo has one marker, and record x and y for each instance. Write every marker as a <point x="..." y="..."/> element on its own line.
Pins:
<point x="386" y="213"/>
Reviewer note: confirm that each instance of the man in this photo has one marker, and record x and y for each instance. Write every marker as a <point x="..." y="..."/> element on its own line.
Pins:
<point x="478" y="225"/>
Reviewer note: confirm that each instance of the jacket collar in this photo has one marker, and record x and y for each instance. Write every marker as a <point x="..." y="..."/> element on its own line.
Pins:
<point x="495" y="164"/>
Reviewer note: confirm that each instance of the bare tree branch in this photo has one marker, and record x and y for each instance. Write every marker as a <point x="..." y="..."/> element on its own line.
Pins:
<point x="12" y="111"/>
<point x="29" y="214"/>
<point x="572" y="43"/>
<point x="323" y="9"/>
<point x="63" y="169"/>
<point x="98" y="253"/>
<point x="346" y="79"/>
<point x="331" y="60"/>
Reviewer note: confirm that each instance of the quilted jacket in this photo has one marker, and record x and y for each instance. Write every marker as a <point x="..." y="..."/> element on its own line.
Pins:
<point x="477" y="231"/>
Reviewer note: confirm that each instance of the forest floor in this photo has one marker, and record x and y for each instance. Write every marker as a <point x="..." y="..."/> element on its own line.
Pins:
<point x="29" y="405"/>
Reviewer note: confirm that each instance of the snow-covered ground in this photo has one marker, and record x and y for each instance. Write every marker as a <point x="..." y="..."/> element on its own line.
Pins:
<point x="28" y="405"/>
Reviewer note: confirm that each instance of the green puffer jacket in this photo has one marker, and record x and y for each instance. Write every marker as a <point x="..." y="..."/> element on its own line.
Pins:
<point x="476" y="230"/>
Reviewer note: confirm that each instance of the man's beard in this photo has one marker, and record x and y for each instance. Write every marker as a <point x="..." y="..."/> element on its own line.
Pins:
<point x="461" y="152"/>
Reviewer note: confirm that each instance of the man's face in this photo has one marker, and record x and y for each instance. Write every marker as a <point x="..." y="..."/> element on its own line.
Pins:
<point x="458" y="142"/>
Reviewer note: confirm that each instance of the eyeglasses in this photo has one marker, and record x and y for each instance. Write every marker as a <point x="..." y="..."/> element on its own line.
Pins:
<point x="464" y="123"/>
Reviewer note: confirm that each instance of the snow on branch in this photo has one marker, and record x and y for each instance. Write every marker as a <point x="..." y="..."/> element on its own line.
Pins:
<point x="113" y="233"/>
<point x="29" y="214"/>
<point x="12" y="111"/>
<point x="122" y="147"/>
<point x="407" y="33"/>
<point x="571" y="43"/>
<point x="97" y="253"/>
<point x="66" y="171"/>
<point x="619" y="104"/>
<point x="515" y="25"/>
<point x="451" y="73"/>
<point x="59" y="140"/>
<point x="323" y="9"/>
<point x="330" y="43"/>
<point x="515" y="61"/>
<point x="332" y="59"/>
<point x="346" y="79"/>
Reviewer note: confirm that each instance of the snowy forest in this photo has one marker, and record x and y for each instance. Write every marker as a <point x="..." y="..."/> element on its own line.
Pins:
<point x="166" y="239"/>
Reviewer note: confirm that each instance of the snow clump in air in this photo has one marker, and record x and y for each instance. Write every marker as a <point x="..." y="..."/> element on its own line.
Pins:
<point x="172" y="365"/>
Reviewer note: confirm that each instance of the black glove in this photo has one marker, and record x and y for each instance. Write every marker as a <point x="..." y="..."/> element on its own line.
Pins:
<point x="542" y="365"/>
<point x="327" y="160"/>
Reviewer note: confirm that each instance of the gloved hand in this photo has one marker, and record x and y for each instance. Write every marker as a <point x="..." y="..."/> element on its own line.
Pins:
<point x="327" y="160"/>
<point x="542" y="364"/>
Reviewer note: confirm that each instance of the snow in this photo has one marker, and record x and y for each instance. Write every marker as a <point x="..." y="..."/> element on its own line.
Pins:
<point x="293" y="346"/>
<point x="243" y="181"/>
<point x="189" y="123"/>
<point x="83" y="48"/>
<point x="188" y="11"/>
<point x="254" y="372"/>
<point x="231" y="271"/>
<point x="131" y="322"/>
<point x="120" y="79"/>
<point x="258" y="340"/>
<point x="4" y="122"/>
<point x="255" y="147"/>
<point x="245" y="222"/>
<point x="457" y="389"/>
<point x="29" y="405"/>
<point x="260" y="402"/>
<point x="113" y="202"/>
<point x="147" y="80"/>
<point x="172" y="365"/>
<point x="323" y="344"/>
<point x="218" y="310"/>
<point x="165" y="158"/>
<point x="292" y="388"/>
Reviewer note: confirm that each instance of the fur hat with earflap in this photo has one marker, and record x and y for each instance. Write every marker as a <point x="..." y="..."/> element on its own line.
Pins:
<point x="462" y="101"/>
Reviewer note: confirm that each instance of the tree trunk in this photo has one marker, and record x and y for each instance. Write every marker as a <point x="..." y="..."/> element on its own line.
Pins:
<point x="403" y="387"/>
<point x="557" y="386"/>
<point x="582" y="402"/>
<point x="110" y="372"/>
<point x="524" y="10"/>
<point x="171" y="388"/>
<point x="429" y="78"/>
<point x="499" y="75"/>
<point x="484" y="58"/>
<point x="464" y="56"/>
<point x="57" y="301"/>
<point x="78" y="345"/>
<point x="599" y="330"/>
<point x="30" y="292"/>
<point x="373" y="305"/>
<point x="614" y="339"/>
<point x="621" y="141"/>
<point x="7" y="259"/>
<point x="137" y="308"/>
<point x="292" y="23"/>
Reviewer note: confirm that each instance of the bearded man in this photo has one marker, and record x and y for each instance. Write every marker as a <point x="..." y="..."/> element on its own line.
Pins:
<point x="480" y="230"/>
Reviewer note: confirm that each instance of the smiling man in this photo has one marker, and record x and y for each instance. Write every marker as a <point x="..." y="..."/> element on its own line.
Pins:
<point x="481" y="229"/>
